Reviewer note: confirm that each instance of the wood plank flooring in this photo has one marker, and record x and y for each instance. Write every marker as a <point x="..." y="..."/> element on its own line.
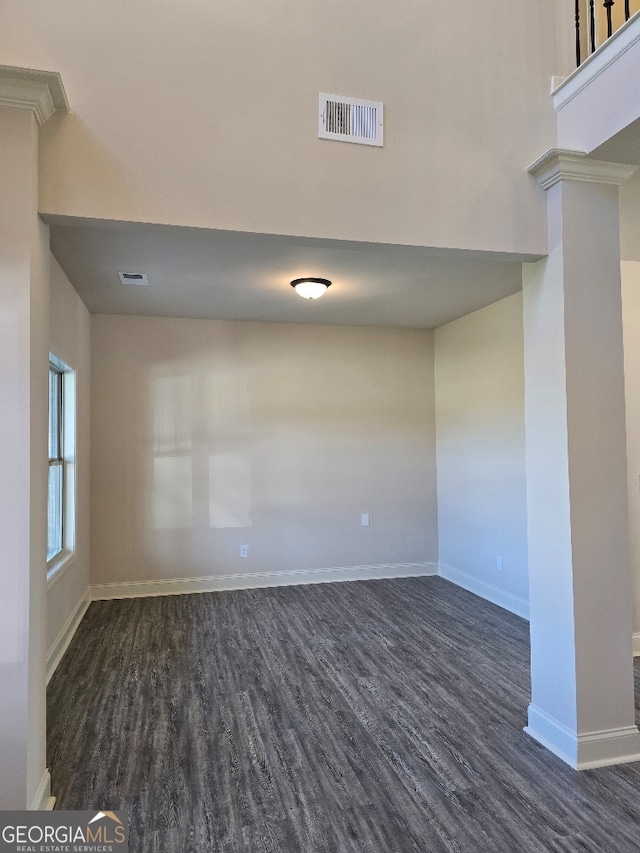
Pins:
<point x="378" y="716"/>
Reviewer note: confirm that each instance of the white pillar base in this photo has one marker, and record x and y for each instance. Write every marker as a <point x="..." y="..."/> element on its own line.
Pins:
<point x="587" y="750"/>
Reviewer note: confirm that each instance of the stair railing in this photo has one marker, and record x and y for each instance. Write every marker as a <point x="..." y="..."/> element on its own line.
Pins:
<point x="587" y="26"/>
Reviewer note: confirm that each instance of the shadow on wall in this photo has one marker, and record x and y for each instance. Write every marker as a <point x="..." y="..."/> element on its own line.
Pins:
<point x="199" y="468"/>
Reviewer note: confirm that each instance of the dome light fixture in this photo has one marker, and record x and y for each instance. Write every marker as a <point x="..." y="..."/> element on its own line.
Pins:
<point x="310" y="288"/>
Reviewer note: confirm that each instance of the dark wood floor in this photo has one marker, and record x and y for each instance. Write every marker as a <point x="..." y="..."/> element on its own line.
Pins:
<point x="374" y="716"/>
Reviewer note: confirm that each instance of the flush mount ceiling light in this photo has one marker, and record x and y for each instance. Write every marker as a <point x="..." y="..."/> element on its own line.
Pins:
<point x="310" y="288"/>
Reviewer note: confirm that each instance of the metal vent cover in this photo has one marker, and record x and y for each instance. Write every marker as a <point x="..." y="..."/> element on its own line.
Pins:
<point x="350" y="120"/>
<point x="133" y="278"/>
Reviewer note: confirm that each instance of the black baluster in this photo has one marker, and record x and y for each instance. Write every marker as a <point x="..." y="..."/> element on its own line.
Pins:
<point x="592" y="24"/>
<point x="607" y="5"/>
<point x="627" y="12"/>
<point x="577" y="32"/>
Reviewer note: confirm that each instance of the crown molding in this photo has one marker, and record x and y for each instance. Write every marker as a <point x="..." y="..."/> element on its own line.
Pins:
<point x="41" y="92"/>
<point x="562" y="164"/>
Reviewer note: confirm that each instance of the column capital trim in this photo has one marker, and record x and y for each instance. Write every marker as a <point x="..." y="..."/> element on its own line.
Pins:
<point x="41" y="92"/>
<point x="563" y="164"/>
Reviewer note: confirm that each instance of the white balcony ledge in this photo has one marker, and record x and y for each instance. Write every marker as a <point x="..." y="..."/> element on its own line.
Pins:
<point x="599" y="98"/>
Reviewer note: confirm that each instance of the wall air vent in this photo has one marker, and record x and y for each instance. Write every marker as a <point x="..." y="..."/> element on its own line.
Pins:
<point x="133" y="277"/>
<point x="349" y="120"/>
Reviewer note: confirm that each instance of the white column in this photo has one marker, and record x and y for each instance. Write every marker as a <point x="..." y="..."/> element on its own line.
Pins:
<point x="25" y="101"/>
<point x="582" y="701"/>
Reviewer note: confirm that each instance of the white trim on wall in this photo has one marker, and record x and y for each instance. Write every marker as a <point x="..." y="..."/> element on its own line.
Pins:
<point x="61" y="642"/>
<point x="485" y="590"/>
<point x="254" y="580"/>
<point x="43" y="801"/>
<point x="636" y="644"/>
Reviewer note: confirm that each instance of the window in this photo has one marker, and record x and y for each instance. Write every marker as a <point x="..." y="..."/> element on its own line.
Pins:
<point x="61" y="495"/>
<point x="56" y="464"/>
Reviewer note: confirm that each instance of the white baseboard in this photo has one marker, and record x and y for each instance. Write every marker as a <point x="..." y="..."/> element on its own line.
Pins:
<point x="43" y="801"/>
<point x="584" y="751"/>
<point x="254" y="580"/>
<point x="61" y="642"/>
<point x="636" y="644"/>
<point x="485" y="590"/>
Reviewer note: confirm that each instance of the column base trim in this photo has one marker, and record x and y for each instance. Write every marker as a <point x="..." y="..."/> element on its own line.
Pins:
<point x="43" y="801"/>
<point x="587" y="750"/>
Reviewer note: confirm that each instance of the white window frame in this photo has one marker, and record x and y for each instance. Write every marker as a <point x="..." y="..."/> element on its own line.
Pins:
<point x="61" y="561"/>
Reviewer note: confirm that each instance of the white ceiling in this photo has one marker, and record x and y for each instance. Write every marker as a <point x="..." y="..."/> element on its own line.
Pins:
<point x="227" y="275"/>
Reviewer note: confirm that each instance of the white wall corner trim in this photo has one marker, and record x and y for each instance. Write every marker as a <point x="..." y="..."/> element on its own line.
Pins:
<point x="563" y="164"/>
<point x="636" y="644"/>
<point x="61" y="642"/>
<point x="485" y="590"/>
<point x="41" y="92"/>
<point x="43" y="801"/>
<point x="255" y="580"/>
<point x="584" y="751"/>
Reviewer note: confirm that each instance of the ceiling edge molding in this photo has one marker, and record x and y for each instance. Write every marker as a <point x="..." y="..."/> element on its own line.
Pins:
<point x="41" y="92"/>
<point x="562" y="164"/>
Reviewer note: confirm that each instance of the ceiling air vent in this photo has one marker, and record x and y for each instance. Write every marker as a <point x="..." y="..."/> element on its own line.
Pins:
<point x="133" y="277"/>
<point x="349" y="120"/>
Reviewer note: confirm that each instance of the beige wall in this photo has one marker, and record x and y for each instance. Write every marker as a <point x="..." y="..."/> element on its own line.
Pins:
<point x="629" y="195"/>
<point x="69" y="333"/>
<point x="207" y="435"/>
<point x="479" y="384"/>
<point x="631" y="329"/>
<point x="481" y="488"/>
<point x="205" y="114"/>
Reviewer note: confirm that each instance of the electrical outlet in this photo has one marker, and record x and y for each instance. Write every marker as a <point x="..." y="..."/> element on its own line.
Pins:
<point x="499" y="562"/>
<point x="364" y="519"/>
<point x="244" y="550"/>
